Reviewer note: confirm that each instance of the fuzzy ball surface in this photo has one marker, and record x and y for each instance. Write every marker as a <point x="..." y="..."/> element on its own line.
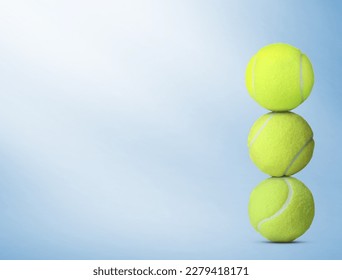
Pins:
<point x="281" y="209"/>
<point x="281" y="143"/>
<point x="279" y="77"/>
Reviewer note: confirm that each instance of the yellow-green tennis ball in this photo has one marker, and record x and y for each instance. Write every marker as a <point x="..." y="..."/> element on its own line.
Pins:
<point x="280" y="143"/>
<point x="281" y="209"/>
<point x="279" y="77"/>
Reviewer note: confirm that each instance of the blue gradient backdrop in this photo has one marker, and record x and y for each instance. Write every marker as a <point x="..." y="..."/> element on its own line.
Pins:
<point x="123" y="128"/>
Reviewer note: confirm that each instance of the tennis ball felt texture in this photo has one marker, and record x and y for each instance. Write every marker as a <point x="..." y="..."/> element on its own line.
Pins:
<point x="280" y="143"/>
<point x="281" y="209"/>
<point x="279" y="77"/>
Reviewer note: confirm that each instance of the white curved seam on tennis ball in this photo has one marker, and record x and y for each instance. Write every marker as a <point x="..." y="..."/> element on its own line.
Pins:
<point x="253" y="76"/>
<point x="260" y="129"/>
<point x="301" y="76"/>
<point x="283" y="208"/>
<point x="297" y="155"/>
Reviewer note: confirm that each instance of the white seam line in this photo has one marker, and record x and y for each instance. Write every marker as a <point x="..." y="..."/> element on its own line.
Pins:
<point x="282" y="209"/>
<point x="301" y="77"/>
<point x="259" y="131"/>
<point x="253" y="77"/>
<point x="297" y="155"/>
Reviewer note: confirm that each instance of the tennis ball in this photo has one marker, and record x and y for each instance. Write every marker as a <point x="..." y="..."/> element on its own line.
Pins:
<point x="281" y="209"/>
<point x="279" y="77"/>
<point x="280" y="143"/>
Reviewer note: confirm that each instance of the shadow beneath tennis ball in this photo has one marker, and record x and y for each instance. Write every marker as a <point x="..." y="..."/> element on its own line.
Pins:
<point x="280" y="243"/>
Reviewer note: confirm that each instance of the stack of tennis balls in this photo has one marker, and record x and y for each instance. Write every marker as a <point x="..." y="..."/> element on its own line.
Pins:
<point x="280" y="77"/>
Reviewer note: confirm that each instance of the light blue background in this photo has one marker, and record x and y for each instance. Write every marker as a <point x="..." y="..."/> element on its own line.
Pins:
<point x="123" y="128"/>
